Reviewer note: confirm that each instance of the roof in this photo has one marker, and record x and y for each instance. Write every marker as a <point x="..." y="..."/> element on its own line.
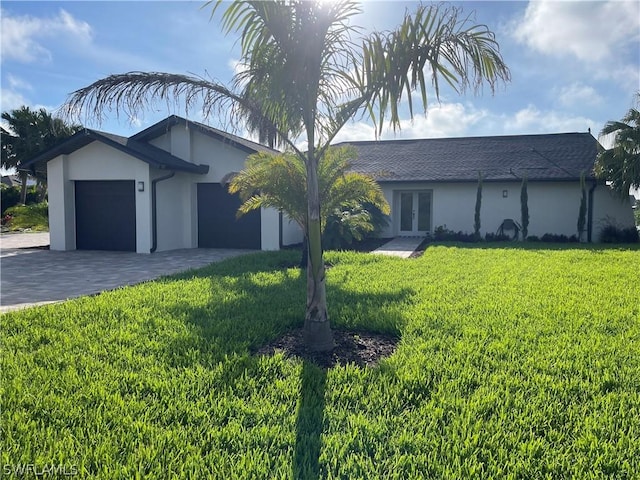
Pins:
<point x="546" y="157"/>
<point x="154" y="156"/>
<point x="165" y="125"/>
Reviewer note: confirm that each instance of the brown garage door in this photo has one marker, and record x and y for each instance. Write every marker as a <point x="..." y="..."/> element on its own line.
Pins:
<point x="106" y="215"/>
<point x="218" y="226"/>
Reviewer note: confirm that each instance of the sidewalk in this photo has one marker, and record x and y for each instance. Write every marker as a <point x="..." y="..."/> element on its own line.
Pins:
<point x="23" y="240"/>
<point x="401" y="247"/>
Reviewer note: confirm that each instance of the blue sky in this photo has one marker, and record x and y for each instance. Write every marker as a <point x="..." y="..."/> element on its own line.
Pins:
<point x="574" y="65"/>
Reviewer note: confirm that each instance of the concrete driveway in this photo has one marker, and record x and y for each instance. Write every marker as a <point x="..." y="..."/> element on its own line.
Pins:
<point x="31" y="275"/>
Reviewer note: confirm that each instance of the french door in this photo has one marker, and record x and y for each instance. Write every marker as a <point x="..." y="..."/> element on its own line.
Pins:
<point x="415" y="212"/>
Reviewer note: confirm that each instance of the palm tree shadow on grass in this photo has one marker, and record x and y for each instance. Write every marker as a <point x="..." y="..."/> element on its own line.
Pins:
<point x="256" y="312"/>
<point x="229" y="331"/>
<point x="309" y="422"/>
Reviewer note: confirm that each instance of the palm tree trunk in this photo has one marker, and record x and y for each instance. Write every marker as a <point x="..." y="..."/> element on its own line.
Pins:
<point x="318" y="335"/>
<point x="23" y="188"/>
<point x="304" y="258"/>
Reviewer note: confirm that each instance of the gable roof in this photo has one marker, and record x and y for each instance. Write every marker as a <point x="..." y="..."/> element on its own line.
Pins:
<point x="154" y="156"/>
<point x="165" y="125"/>
<point x="547" y="157"/>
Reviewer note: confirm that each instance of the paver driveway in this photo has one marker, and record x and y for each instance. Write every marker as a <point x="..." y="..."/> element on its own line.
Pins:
<point x="33" y="276"/>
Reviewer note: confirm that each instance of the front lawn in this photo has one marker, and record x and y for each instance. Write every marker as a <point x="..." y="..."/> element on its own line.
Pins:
<point x="512" y="363"/>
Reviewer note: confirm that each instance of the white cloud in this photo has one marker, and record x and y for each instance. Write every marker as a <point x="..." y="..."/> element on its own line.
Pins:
<point x="10" y="100"/>
<point x="578" y="94"/>
<point x="23" y="36"/>
<point x="445" y="120"/>
<point x="533" y="120"/>
<point x="16" y="83"/>
<point x="458" y="120"/>
<point x="590" y="31"/>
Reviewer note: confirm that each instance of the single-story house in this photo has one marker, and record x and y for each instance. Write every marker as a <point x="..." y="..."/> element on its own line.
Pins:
<point x="433" y="182"/>
<point x="165" y="188"/>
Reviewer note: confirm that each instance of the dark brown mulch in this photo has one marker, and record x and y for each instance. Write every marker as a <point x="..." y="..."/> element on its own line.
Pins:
<point x="360" y="348"/>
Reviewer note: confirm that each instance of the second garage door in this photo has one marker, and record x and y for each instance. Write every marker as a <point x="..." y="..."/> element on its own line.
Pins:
<point x="106" y="215"/>
<point x="218" y="226"/>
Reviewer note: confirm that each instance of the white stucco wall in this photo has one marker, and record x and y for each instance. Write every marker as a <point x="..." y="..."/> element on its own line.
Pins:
<point x="553" y="206"/>
<point x="610" y="209"/>
<point x="174" y="211"/>
<point x="180" y="193"/>
<point x="270" y="225"/>
<point x="62" y="207"/>
<point x="291" y="232"/>
<point x="95" y="161"/>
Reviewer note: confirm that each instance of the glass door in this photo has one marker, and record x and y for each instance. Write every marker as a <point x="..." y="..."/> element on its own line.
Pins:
<point x="407" y="213"/>
<point x="415" y="212"/>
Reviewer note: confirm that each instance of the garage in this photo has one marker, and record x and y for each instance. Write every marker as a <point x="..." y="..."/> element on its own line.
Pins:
<point x="105" y="215"/>
<point x="218" y="226"/>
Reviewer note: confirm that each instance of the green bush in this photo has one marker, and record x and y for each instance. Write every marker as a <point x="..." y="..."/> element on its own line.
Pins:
<point x="613" y="234"/>
<point x="443" y="234"/>
<point x="558" y="238"/>
<point x="353" y="225"/>
<point x="497" y="237"/>
<point x="34" y="217"/>
<point x="10" y="196"/>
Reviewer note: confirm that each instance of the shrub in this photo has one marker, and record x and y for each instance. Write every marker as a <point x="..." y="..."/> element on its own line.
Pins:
<point x="34" y="217"/>
<point x="582" y="212"/>
<point x="533" y="238"/>
<point x="497" y="237"/>
<point x="558" y="238"/>
<point x="524" y="208"/>
<point x="354" y="224"/>
<point x="443" y="234"/>
<point x="10" y="196"/>
<point x="476" y="220"/>
<point x="613" y="234"/>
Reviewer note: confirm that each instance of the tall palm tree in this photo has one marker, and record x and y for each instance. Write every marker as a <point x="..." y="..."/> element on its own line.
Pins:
<point x="621" y="164"/>
<point x="31" y="132"/>
<point x="279" y="181"/>
<point x="305" y="76"/>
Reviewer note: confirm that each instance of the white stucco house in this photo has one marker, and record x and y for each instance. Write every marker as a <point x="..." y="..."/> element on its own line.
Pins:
<point x="433" y="182"/>
<point x="165" y="188"/>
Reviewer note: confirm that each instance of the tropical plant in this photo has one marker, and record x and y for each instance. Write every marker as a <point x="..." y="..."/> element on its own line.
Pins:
<point x="353" y="223"/>
<point x="620" y="164"/>
<point x="476" y="220"/>
<point x="279" y="181"/>
<point x="29" y="133"/>
<point x="524" y="207"/>
<point x="305" y="75"/>
<point x="582" y="212"/>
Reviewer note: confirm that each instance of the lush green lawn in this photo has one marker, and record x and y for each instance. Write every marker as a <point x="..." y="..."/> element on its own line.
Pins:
<point x="513" y="363"/>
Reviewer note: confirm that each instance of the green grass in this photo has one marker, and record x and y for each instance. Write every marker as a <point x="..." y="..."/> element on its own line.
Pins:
<point x="512" y="363"/>
<point x="33" y="217"/>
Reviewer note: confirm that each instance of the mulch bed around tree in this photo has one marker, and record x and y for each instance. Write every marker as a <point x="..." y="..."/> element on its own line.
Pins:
<point x="360" y="348"/>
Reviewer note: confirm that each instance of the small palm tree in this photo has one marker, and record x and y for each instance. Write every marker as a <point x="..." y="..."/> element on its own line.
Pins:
<point x="279" y="181"/>
<point x="306" y="72"/>
<point x="621" y="164"/>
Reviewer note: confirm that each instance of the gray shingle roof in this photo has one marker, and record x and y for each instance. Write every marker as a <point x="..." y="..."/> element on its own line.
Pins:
<point x="154" y="156"/>
<point x="164" y="125"/>
<point x="548" y="157"/>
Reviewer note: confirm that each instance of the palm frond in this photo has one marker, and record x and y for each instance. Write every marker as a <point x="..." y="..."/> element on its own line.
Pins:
<point x="620" y="164"/>
<point x="392" y="65"/>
